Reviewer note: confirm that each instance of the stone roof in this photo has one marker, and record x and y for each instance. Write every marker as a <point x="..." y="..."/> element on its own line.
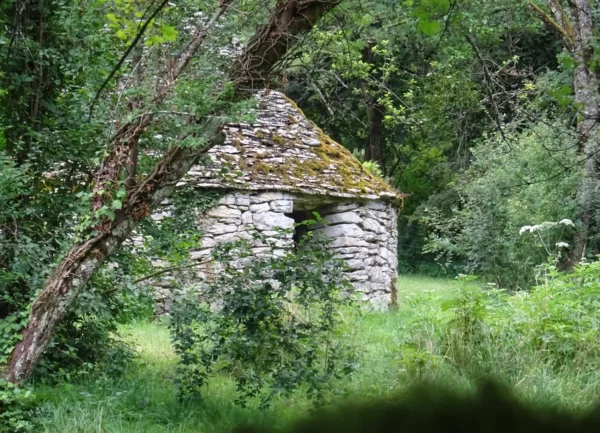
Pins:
<point x="284" y="151"/>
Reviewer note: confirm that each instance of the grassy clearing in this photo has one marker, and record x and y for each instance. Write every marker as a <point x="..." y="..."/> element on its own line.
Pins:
<point x="397" y="349"/>
<point x="144" y="399"/>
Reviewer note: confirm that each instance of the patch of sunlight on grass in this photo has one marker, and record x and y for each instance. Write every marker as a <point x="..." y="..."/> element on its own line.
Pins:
<point x="418" y="284"/>
<point x="144" y="399"/>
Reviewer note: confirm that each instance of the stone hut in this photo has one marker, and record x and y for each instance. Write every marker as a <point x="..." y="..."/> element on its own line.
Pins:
<point x="281" y="168"/>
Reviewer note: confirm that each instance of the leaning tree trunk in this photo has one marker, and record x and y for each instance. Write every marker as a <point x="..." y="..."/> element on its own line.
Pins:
<point x="79" y="265"/>
<point x="289" y="19"/>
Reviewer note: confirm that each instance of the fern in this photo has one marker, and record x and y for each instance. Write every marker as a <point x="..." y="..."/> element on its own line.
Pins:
<point x="373" y="168"/>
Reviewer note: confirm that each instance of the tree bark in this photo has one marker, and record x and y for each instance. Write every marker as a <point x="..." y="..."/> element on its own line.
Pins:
<point x="375" y="147"/>
<point x="268" y="45"/>
<point x="375" y="113"/>
<point x="585" y="83"/>
<point x="577" y="36"/>
<point x="289" y="20"/>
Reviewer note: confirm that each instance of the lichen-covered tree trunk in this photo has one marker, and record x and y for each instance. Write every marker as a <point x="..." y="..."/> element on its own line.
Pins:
<point x="79" y="265"/>
<point x="576" y="31"/>
<point x="289" y="19"/>
<point x="585" y="83"/>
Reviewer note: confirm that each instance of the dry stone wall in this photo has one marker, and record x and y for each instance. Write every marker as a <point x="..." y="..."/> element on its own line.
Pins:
<point x="363" y="234"/>
<point x="241" y="216"/>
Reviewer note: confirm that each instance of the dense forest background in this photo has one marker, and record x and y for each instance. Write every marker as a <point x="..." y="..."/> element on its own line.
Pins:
<point x="483" y="111"/>
<point x="468" y="106"/>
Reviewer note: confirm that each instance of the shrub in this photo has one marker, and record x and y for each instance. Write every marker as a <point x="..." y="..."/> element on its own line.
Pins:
<point x="16" y="409"/>
<point x="270" y="324"/>
<point x="88" y="338"/>
<point x="552" y="328"/>
<point x="511" y="183"/>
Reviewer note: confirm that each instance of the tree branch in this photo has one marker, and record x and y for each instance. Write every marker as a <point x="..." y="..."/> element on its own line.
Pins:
<point x="170" y="269"/>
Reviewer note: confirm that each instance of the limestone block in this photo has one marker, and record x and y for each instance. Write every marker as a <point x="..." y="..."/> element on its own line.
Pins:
<point x="228" y="237"/>
<point x="350" y="250"/>
<point x="200" y="254"/>
<point x="247" y="217"/>
<point x="261" y="207"/>
<point x="311" y="142"/>
<point x="379" y="299"/>
<point x="345" y="256"/>
<point x="279" y="242"/>
<point x="381" y="217"/>
<point x="343" y="207"/>
<point x="229" y="221"/>
<point x="272" y="233"/>
<point x="271" y="220"/>
<point x="219" y="229"/>
<point x="269" y="196"/>
<point x="362" y="287"/>
<point x="356" y="264"/>
<point x="357" y="276"/>
<point x="376" y="205"/>
<point x="374" y="237"/>
<point x="349" y="242"/>
<point x="388" y="256"/>
<point x="257" y="251"/>
<point x="283" y="206"/>
<point x="242" y="201"/>
<point x="160" y="215"/>
<point x="256" y="199"/>
<point x="378" y="275"/>
<point x="224" y="149"/>
<point x="341" y="231"/>
<point x="207" y="242"/>
<point x="373" y="226"/>
<point x="227" y="200"/>
<point x="343" y="218"/>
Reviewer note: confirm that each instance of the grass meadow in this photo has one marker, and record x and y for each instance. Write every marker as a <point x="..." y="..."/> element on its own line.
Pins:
<point x="397" y="349"/>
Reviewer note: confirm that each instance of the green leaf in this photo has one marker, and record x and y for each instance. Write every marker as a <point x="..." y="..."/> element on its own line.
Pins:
<point x="113" y="18"/>
<point x="122" y="35"/>
<point x="117" y="204"/>
<point x="429" y="28"/>
<point x="168" y="33"/>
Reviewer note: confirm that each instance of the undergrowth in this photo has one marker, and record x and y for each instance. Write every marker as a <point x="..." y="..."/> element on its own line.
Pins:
<point x="543" y="344"/>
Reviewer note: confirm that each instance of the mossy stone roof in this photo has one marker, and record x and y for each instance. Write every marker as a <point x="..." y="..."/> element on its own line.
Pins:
<point x="284" y="151"/>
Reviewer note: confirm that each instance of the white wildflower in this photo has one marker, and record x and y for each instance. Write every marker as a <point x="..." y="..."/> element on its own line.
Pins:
<point x="158" y="137"/>
<point x="566" y="222"/>
<point x="524" y="229"/>
<point x="535" y="228"/>
<point x="562" y="245"/>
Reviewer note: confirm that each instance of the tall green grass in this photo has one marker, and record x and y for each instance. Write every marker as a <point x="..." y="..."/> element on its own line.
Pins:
<point x="441" y="332"/>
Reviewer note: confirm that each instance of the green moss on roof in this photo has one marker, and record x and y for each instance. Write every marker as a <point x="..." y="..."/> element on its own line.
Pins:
<point x="311" y="162"/>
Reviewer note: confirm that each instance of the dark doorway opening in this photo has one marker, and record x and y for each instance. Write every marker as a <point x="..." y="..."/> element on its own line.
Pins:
<point x="300" y="231"/>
